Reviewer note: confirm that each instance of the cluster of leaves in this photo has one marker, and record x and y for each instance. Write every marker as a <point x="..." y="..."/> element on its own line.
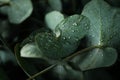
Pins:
<point x="55" y="49"/>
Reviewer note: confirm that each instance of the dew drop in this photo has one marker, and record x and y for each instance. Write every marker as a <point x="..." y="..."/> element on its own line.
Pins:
<point x="50" y="40"/>
<point x="75" y="24"/>
<point x="57" y="33"/>
<point x="69" y="37"/>
<point x="76" y="39"/>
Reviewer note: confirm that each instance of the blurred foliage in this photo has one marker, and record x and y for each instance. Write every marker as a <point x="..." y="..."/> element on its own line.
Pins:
<point x="49" y="32"/>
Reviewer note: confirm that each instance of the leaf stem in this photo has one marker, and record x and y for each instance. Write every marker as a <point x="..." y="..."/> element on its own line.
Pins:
<point x="41" y="72"/>
<point x="65" y="59"/>
<point x="5" y="43"/>
<point x="81" y="51"/>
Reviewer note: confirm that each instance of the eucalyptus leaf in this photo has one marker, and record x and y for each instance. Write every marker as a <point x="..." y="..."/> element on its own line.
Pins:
<point x="65" y="72"/>
<point x="30" y="66"/>
<point x="72" y="30"/>
<point x="50" y="45"/>
<point x="96" y="58"/>
<point x="53" y="18"/>
<point x="27" y="67"/>
<point x="17" y="10"/>
<point x="31" y="37"/>
<point x="104" y="31"/>
<point x="30" y="50"/>
<point x="104" y="23"/>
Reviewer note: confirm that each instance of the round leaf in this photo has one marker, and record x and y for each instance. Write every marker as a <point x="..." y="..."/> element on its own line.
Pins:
<point x="53" y="19"/>
<point x="17" y="10"/>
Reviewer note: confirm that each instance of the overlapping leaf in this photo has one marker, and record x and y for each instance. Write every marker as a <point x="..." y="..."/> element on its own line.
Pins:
<point x="58" y="47"/>
<point x="27" y="66"/>
<point x="17" y="10"/>
<point x="104" y="31"/>
<point x="53" y="18"/>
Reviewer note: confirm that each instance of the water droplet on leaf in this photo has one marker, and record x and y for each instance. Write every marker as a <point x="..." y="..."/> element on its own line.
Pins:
<point x="57" y="33"/>
<point x="69" y="37"/>
<point x="75" y="24"/>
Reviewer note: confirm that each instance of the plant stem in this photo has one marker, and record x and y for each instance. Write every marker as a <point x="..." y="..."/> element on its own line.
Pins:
<point x="41" y="72"/>
<point x="81" y="51"/>
<point x="65" y="59"/>
<point x="5" y="43"/>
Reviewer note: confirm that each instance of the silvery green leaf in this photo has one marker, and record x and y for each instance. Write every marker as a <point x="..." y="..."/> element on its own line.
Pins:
<point x="104" y="23"/>
<point x="104" y="30"/>
<point x="31" y="37"/>
<point x="66" y="72"/>
<point x="27" y="66"/>
<point x="73" y="28"/>
<point x="53" y="18"/>
<point x="96" y="58"/>
<point x="55" y="4"/>
<point x="18" y="10"/>
<point x="30" y="50"/>
<point x="50" y="46"/>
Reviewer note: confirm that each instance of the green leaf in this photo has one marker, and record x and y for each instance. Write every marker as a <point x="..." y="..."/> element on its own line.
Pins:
<point x="65" y="72"/>
<point x="72" y="30"/>
<point x="30" y="50"/>
<point x="104" y="31"/>
<point x="29" y="65"/>
<point x="17" y="10"/>
<point x="26" y="65"/>
<point x="104" y="23"/>
<point x="50" y="45"/>
<point x="31" y="37"/>
<point x="96" y="58"/>
<point x="53" y="18"/>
